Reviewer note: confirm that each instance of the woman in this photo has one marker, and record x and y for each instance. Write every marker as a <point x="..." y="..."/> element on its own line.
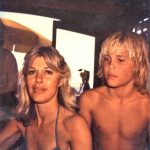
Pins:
<point x="46" y="102"/>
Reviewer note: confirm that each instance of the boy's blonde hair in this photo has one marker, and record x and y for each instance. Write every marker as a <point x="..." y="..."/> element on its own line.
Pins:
<point x="137" y="49"/>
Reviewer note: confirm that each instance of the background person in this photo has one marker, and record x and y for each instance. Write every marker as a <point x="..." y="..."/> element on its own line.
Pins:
<point x="85" y="81"/>
<point x="8" y="78"/>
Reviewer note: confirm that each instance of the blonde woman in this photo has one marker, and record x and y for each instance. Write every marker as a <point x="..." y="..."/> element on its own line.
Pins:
<point x="45" y="114"/>
<point x="120" y="110"/>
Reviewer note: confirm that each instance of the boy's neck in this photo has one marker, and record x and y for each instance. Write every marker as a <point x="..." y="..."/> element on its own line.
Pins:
<point x="121" y="93"/>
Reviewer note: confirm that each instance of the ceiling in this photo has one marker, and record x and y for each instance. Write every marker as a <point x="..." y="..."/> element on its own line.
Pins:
<point x="22" y="37"/>
<point x="18" y="35"/>
<point x="98" y="16"/>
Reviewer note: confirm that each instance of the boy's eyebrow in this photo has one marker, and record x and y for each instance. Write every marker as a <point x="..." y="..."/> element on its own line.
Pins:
<point x="122" y="55"/>
<point x="119" y="55"/>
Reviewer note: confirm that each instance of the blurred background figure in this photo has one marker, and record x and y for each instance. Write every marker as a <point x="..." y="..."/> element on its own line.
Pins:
<point x="85" y="80"/>
<point x="8" y="77"/>
<point x="85" y="75"/>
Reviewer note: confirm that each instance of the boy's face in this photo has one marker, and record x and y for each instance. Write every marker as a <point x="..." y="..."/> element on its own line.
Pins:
<point x="118" y="69"/>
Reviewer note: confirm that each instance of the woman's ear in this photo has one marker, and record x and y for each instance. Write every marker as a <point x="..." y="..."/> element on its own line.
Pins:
<point x="60" y="82"/>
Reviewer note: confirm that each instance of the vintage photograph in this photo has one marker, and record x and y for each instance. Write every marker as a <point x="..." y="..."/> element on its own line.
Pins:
<point x="75" y="75"/>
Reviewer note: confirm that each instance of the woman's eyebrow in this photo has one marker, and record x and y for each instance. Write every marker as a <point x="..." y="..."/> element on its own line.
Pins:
<point x="31" y="67"/>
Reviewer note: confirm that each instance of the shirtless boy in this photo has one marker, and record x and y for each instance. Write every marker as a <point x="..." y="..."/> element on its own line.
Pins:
<point x="120" y="110"/>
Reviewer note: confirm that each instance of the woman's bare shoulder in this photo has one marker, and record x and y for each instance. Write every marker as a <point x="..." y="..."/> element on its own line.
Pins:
<point x="11" y="131"/>
<point x="74" y="122"/>
<point x="69" y="117"/>
<point x="76" y="130"/>
<point x="75" y="118"/>
<point x="15" y="125"/>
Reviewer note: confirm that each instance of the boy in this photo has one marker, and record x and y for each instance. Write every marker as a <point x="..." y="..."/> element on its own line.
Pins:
<point x="120" y="110"/>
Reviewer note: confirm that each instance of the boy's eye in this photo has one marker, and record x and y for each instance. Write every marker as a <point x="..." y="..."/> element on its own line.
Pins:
<point x="106" y="58"/>
<point x="121" y="59"/>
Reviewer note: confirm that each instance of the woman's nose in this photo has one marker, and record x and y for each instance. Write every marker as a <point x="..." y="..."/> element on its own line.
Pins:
<point x="39" y="78"/>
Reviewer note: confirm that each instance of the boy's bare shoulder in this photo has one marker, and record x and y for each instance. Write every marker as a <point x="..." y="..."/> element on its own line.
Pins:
<point x="90" y="99"/>
<point x="145" y="104"/>
<point x="146" y="99"/>
<point x="94" y="94"/>
<point x="143" y="101"/>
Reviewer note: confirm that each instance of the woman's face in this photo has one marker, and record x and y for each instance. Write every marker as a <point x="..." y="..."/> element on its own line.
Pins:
<point x="42" y="81"/>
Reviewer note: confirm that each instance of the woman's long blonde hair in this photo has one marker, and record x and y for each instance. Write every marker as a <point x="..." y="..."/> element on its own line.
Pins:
<point x="137" y="49"/>
<point x="57" y="63"/>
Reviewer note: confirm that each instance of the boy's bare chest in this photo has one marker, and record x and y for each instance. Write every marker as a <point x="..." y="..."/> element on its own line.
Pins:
<point x="126" y="120"/>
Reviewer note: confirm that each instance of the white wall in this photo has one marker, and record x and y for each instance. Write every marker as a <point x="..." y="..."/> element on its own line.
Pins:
<point x="79" y="52"/>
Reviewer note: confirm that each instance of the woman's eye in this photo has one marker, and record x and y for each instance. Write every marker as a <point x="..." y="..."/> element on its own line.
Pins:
<point x="48" y="72"/>
<point x="31" y="72"/>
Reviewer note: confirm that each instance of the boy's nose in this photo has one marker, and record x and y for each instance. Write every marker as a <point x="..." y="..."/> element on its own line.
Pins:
<point x="111" y="66"/>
